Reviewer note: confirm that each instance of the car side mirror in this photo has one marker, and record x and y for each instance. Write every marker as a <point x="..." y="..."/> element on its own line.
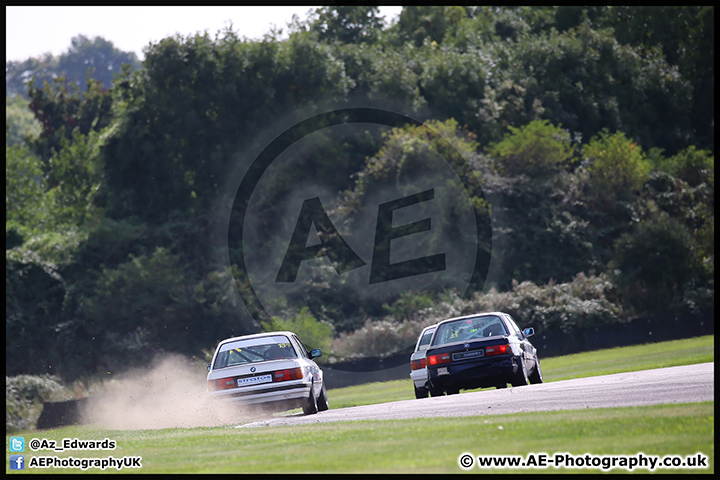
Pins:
<point x="529" y="332"/>
<point x="315" y="353"/>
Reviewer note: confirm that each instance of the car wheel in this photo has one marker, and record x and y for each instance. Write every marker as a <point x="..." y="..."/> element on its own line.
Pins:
<point x="312" y="405"/>
<point x="322" y="402"/>
<point x="453" y="391"/>
<point x="501" y="385"/>
<point x="536" y="376"/>
<point x="436" y="393"/>
<point x="420" y="392"/>
<point x="521" y="376"/>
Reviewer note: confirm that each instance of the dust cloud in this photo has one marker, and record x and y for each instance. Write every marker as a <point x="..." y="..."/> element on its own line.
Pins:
<point x="169" y="393"/>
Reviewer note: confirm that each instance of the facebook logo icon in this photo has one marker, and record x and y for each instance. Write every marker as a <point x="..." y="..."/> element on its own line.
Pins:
<point x="17" y="462"/>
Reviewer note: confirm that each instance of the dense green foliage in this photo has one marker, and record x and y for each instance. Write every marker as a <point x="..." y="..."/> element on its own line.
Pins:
<point x="24" y="396"/>
<point x="591" y="131"/>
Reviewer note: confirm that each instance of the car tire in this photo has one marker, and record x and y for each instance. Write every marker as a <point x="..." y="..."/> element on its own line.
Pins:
<point x="311" y="406"/>
<point x="536" y="376"/>
<point x="322" y="402"/>
<point x="436" y="392"/>
<point x="453" y="391"/>
<point x="501" y="385"/>
<point x="521" y="376"/>
<point x="420" y="392"/>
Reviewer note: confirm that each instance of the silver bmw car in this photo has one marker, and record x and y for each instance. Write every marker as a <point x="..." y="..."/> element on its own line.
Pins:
<point x="271" y="370"/>
<point x="418" y="370"/>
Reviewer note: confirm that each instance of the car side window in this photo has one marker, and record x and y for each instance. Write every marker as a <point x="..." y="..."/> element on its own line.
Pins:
<point x="303" y="350"/>
<point x="425" y="340"/>
<point x="513" y="325"/>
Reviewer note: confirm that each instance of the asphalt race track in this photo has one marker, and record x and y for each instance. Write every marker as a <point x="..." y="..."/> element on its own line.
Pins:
<point x="685" y="384"/>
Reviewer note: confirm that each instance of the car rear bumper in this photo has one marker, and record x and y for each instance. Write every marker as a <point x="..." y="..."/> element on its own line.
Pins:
<point x="283" y="395"/>
<point x="477" y="374"/>
<point x="419" y="378"/>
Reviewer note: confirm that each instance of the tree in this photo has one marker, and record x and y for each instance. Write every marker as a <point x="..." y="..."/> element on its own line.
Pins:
<point x="694" y="166"/>
<point x="617" y="166"/>
<point x="346" y="24"/>
<point x="683" y="187"/>
<point x="24" y="187"/>
<point x="451" y="82"/>
<point x="199" y="102"/>
<point x="536" y="149"/>
<point x="74" y="179"/>
<point x="33" y="302"/>
<point x="419" y="25"/>
<point x="20" y="123"/>
<point x="417" y="164"/>
<point x="95" y="58"/>
<point x="68" y="149"/>
<point x="62" y="108"/>
<point x="528" y="180"/>
<point x="656" y="264"/>
<point x="585" y="80"/>
<point x="19" y="74"/>
<point x="312" y="333"/>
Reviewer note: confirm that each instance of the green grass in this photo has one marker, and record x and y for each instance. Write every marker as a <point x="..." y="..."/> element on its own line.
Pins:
<point x="410" y="446"/>
<point x="628" y="359"/>
<point x="371" y="393"/>
<point x="428" y="445"/>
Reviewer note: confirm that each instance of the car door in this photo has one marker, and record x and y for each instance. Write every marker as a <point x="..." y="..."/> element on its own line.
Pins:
<point x="314" y="369"/>
<point x="525" y="346"/>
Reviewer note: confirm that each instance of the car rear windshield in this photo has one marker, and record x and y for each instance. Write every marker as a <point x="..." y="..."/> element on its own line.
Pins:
<point x="254" y="350"/>
<point x="469" y="329"/>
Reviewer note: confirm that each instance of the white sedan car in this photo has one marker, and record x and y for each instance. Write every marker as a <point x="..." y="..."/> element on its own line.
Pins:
<point x="418" y="372"/>
<point x="272" y="370"/>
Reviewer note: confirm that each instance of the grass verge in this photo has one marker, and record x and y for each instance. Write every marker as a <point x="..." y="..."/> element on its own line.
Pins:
<point x="411" y="446"/>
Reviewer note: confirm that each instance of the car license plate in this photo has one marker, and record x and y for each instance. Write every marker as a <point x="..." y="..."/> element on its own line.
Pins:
<point x="443" y="371"/>
<point x="473" y="354"/>
<point x="244" y="382"/>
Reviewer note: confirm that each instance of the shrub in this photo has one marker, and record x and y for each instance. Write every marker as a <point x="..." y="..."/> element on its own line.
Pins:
<point x="574" y="308"/>
<point x="378" y="338"/>
<point x="24" y="396"/>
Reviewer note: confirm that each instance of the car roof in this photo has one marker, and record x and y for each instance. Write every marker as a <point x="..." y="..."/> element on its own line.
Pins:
<point x="474" y="315"/>
<point x="256" y="335"/>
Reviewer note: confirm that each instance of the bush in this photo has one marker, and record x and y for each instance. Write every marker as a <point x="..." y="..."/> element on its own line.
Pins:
<point x="569" y="307"/>
<point x="536" y="149"/>
<point x="656" y="263"/>
<point x="378" y="338"/>
<point x="24" y="396"/>
<point x="574" y="308"/>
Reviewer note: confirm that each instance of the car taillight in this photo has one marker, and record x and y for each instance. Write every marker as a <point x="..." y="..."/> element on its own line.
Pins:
<point x="417" y="364"/>
<point x="222" y="383"/>
<point x="289" y="374"/>
<point x="439" y="359"/>
<point x="495" y="350"/>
